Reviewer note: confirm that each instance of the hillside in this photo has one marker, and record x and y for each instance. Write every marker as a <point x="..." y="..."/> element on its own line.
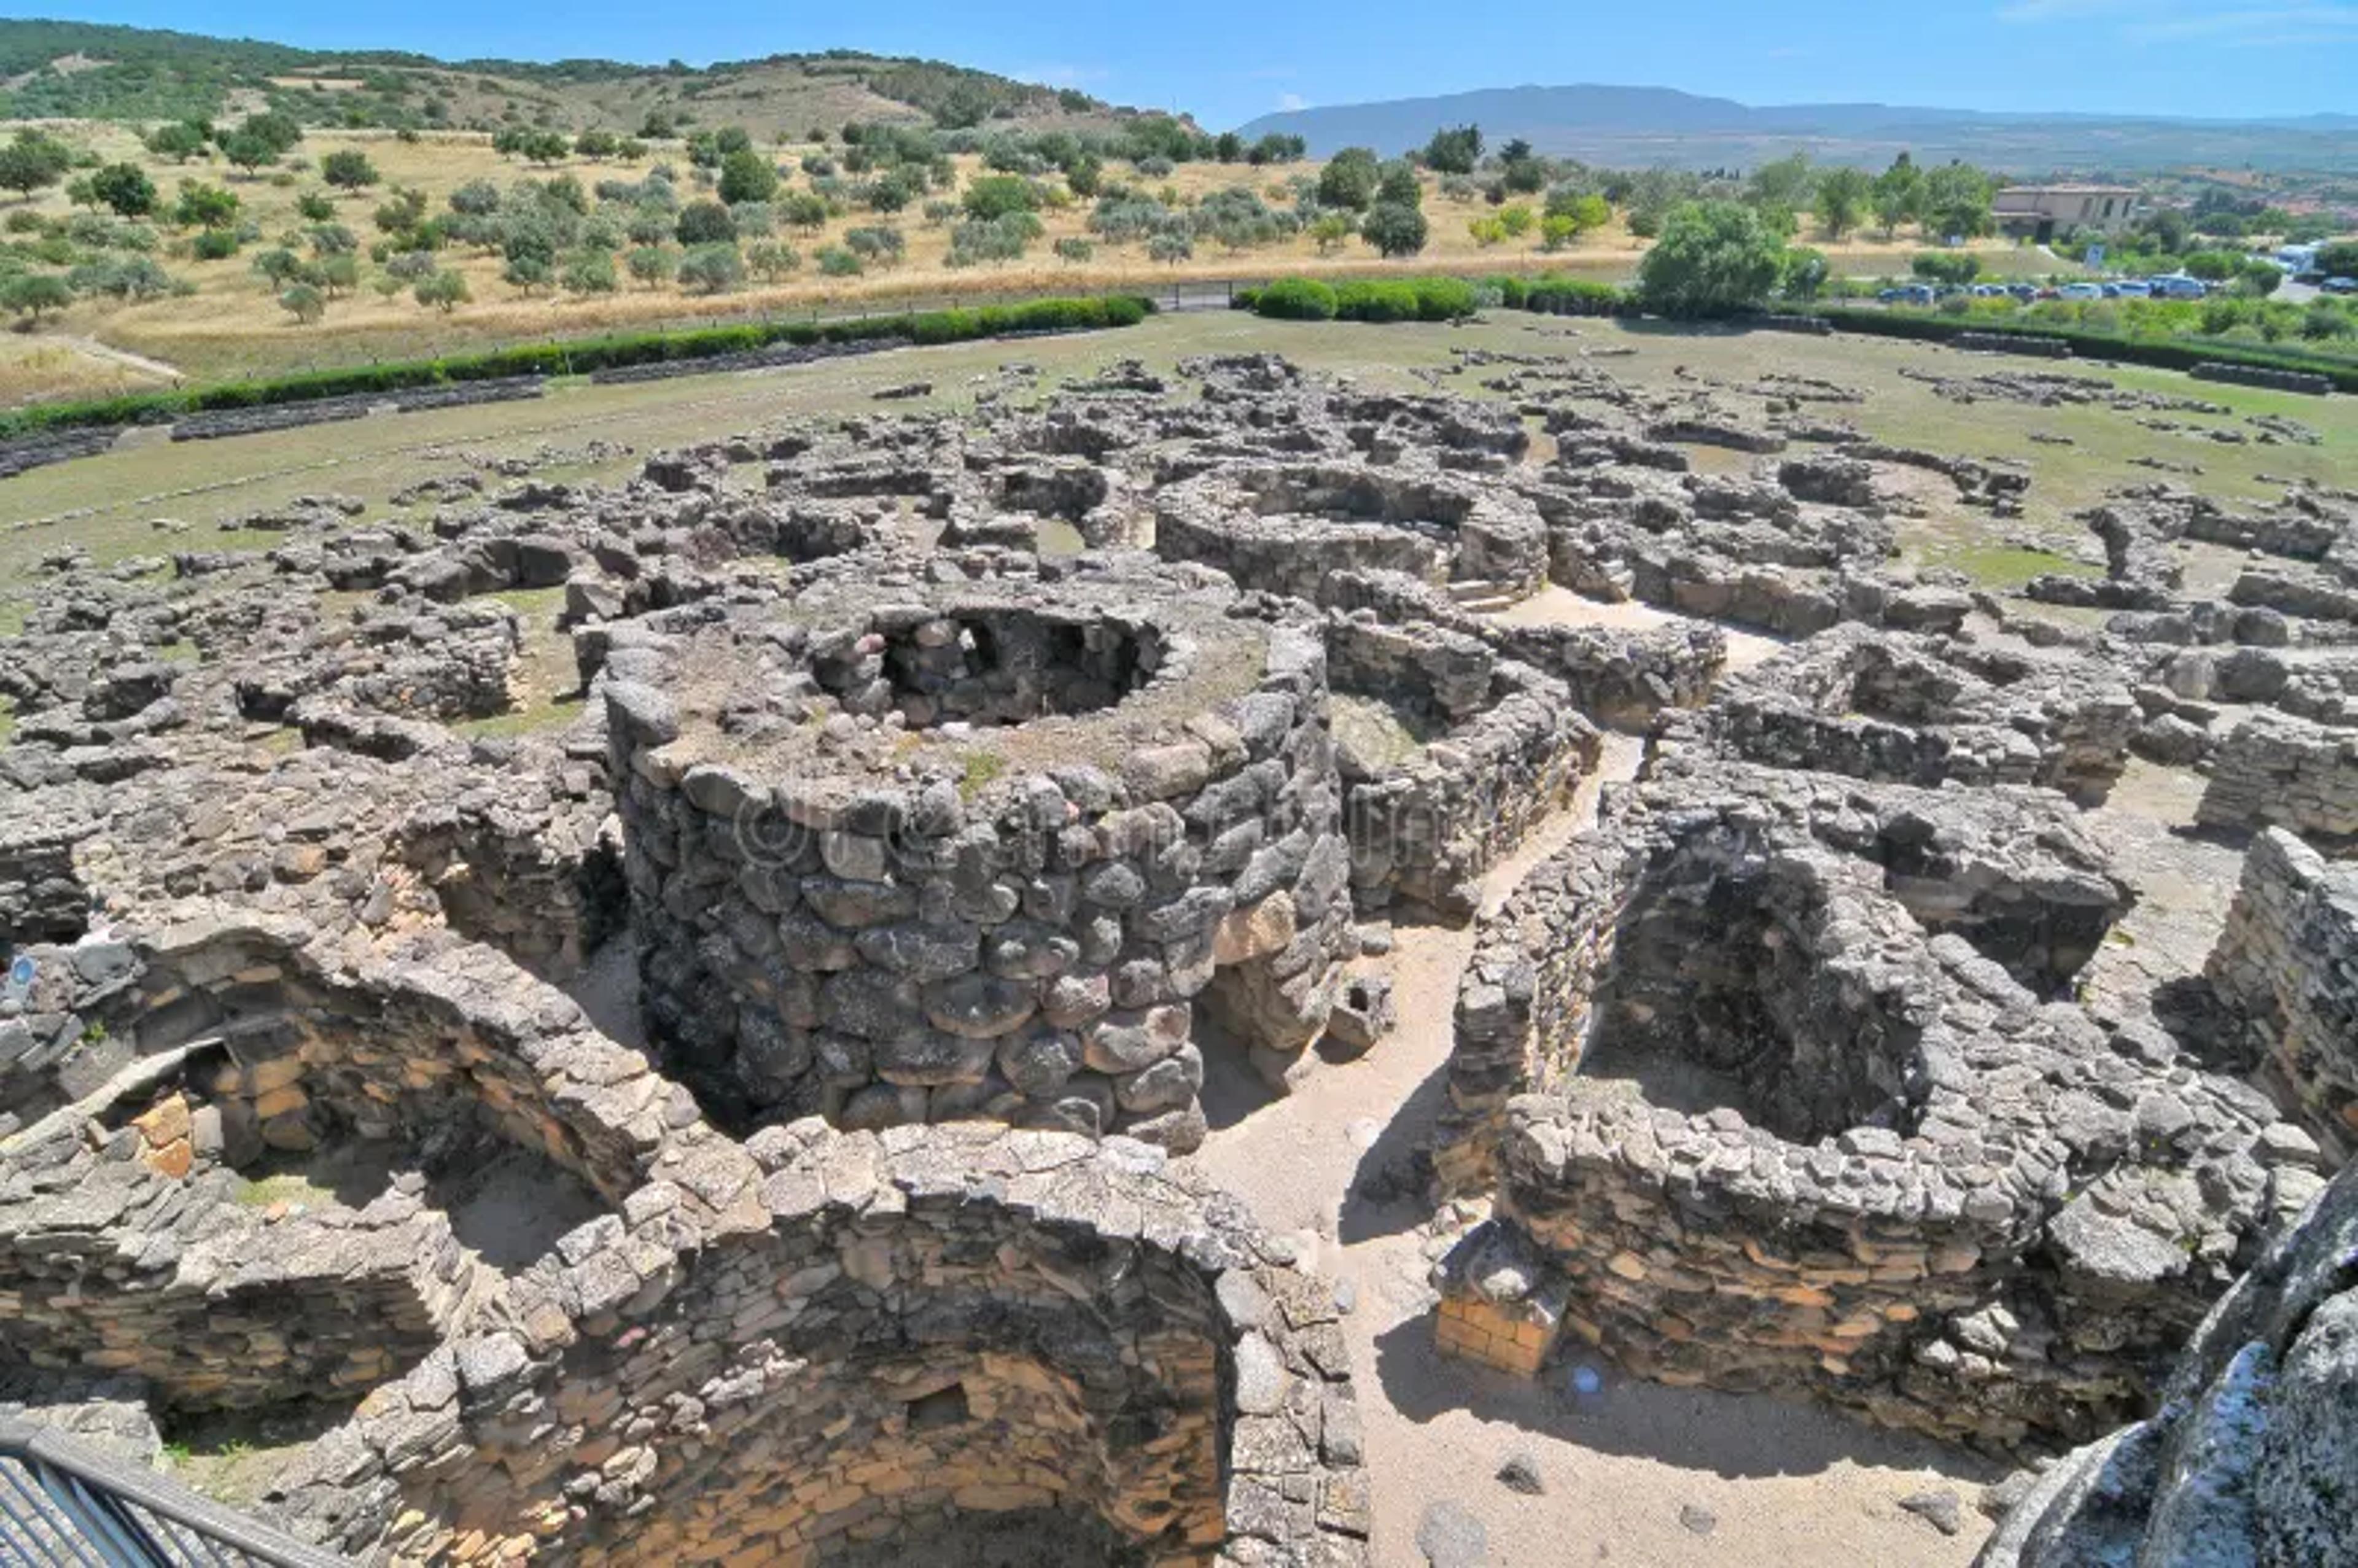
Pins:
<point x="1643" y="127"/>
<point x="83" y="71"/>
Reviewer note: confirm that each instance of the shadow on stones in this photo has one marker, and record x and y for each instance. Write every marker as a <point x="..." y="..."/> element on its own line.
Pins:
<point x="2226" y="835"/>
<point x="2199" y="1020"/>
<point x="510" y="1212"/>
<point x="1730" y="1435"/>
<point x="1389" y="1194"/>
<point x="1029" y="1538"/>
<point x="1232" y="1090"/>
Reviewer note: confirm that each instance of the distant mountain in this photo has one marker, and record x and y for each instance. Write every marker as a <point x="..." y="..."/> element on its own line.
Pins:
<point x="85" y="70"/>
<point x="1642" y="126"/>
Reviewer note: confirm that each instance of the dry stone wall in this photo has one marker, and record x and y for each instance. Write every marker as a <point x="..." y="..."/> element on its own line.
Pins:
<point x="1879" y="705"/>
<point x="1505" y="748"/>
<point x="2273" y="769"/>
<point x="1795" y="1133"/>
<point x="1282" y="528"/>
<point x="2288" y="963"/>
<point x="923" y="915"/>
<point x="878" y="1340"/>
<point x="2246" y="1459"/>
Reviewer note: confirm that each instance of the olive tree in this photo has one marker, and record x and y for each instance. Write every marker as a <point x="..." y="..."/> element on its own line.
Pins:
<point x="1713" y="257"/>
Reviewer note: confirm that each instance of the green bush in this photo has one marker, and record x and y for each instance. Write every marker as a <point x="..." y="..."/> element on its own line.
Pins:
<point x="1295" y="299"/>
<point x="1553" y="296"/>
<point x="1371" y="300"/>
<point x="582" y="357"/>
<point x="1945" y="266"/>
<point x="1403" y="300"/>
<point x="706" y="223"/>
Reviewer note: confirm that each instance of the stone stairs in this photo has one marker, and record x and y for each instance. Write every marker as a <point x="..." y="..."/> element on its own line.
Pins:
<point x="1481" y="596"/>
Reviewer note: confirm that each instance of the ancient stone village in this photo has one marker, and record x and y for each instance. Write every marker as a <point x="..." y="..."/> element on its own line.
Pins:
<point x="812" y="1101"/>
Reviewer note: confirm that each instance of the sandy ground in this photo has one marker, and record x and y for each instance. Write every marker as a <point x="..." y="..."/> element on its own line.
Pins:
<point x="1634" y="1474"/>
<point x="2184" y="878"/>
<point x="1554" y="606"/>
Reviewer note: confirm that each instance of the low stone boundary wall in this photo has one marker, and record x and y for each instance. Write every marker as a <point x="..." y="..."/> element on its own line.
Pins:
<point x="2274" y="770"/>
<point x="220" y="422"/>
<point x="2013" y="343"/>
<point x="2287" y="961"/>
<point x="1815" y="326"/>
<point x="31" y="452"/>
<point x="2254" y="375"/>
<point x="751" y="359"/>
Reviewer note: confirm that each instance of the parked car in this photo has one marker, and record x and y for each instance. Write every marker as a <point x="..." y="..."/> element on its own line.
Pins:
<point x="2339" y="286"/>
<point x="2127" y="289"/>
<point x="2081" y="291"/>
<point x="1908" y="294"/>
<point x="2026" y="292"/>
<point x="2177" y="285"/>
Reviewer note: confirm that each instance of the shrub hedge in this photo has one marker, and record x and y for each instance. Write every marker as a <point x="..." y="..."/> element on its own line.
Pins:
<point x="1445" y="299"/>
<point x="581" y="356"/>
<point x="2164" y="354"/>
<point x="1428" y="299"/>
<point x="1296" y="300"/>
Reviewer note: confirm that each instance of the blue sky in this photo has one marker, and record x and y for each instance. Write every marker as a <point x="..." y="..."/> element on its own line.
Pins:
<point x="1227" y="60"/>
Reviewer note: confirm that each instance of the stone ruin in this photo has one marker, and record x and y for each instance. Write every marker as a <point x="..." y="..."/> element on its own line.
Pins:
<point x="1767" y="1079"/>
<point x="935" y="855"/>
<point x="2283" y="967"/>
<point x="1285" y="526"/>
<point x="2247" y="1456"/>
<point x="669" y="1020"/>
<point x="1912" y="708"/>
<point x="2256" y="686"/>
<point x="569" y="1318"/>
<point x="982" y="849"/>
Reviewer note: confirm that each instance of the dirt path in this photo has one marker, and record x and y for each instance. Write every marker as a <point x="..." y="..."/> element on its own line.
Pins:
<point x="1554" y="606"/>
<point x="123" y="357"/>
<point x="1634" y="1474"/>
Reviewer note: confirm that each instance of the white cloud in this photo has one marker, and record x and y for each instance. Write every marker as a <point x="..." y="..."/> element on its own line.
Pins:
<point x="2061" y="10"/>
<point x="1291" y="101"/>
<point x="2179" y="21"/>
<point x="2256" y="25"/>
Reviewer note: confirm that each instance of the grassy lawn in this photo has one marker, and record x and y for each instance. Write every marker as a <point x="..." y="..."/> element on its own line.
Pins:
<point x="105" y="503"/>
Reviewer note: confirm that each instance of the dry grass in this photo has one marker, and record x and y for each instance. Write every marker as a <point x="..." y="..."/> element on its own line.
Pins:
<point x="235" y="327"/>
<point x="35" y="367"/>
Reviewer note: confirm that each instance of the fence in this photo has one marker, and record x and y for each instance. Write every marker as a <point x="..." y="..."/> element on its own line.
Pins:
<point x="66" y="1506"/>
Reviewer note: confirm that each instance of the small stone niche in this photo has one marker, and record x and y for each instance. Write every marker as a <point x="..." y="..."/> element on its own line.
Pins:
<point x="986" y="666"/>
<point x="944" y="1407"/>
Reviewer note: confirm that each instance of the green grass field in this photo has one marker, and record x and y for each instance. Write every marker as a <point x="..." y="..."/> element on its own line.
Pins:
<point x="105" y="504"/>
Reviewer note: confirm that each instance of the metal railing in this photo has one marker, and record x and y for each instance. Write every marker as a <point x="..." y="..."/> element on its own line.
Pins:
<point x="64" y="1504"/>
